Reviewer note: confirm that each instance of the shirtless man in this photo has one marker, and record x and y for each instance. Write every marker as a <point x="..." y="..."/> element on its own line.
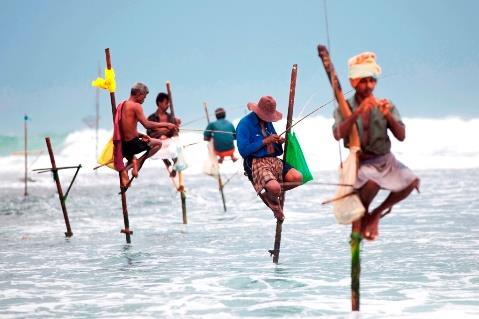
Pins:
<point x="134" y="142"/>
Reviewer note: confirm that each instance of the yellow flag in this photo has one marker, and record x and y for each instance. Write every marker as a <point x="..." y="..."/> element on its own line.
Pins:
<point x="106" y="156"/>
<point x="108" y="83"/>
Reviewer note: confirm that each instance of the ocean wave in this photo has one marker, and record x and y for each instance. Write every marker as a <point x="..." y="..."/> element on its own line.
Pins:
<point x="430" y="144"/>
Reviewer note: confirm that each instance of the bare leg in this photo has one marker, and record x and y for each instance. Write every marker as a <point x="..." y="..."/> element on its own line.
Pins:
<point x="271" y="198"/>
<point x="367" y="194"/>
<point x="292" y="179"/>
<point x="134" y="171"/>
<point x="155" y="145"/>
<point x="370" y="230"/>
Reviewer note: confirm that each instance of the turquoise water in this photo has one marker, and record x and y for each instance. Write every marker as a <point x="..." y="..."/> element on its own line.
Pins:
<point x="424" y="264"/>
<point x="13" y="143"/>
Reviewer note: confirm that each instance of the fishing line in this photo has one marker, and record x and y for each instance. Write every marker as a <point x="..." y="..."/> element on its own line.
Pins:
<point x="204" y="116"/>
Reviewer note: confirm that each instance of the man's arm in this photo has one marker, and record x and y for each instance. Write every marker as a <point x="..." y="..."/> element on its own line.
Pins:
<point x="150" y="124"/>
<point x="246" y="148"/>
<point x="343" y="129"/>
<point x="395" y="124"/>
<point x="207" y="134"/>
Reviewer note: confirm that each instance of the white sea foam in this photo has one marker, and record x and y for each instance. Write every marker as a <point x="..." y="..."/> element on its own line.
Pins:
<point x="430" y="144"/>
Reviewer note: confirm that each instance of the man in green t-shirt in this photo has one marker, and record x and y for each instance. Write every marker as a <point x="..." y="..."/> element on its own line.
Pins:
<point x="223" y="133"/>
<point x="378" y="168"/>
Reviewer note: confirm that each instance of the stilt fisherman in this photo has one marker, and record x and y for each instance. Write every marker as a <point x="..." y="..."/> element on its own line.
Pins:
<point x="378" y="168"/>
<point x="260" y="146"/>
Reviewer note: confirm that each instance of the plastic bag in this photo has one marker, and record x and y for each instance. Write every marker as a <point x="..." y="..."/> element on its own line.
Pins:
<point x="295" y="158"/>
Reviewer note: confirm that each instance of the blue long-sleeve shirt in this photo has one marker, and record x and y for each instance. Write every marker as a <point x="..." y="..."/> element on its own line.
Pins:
<point x="249" y="138"/>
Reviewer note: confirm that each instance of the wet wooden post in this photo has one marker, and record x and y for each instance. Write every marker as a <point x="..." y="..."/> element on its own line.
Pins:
<point x="124" y="207"/>
<point x="354" y="144"/>
<point x="289" y="122"/>
<point x="25" y="193"/>
<point x="181" y="180"/>
<point x="59" y="187"/>
<point x="220" y="182"/>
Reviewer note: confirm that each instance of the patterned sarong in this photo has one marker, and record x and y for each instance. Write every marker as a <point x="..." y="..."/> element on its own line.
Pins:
<point x="266" y="169"/>
<point x="386" y="171"/>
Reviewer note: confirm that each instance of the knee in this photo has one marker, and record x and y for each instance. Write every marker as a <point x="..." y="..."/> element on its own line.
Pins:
<point x="273" y="187"/>
<point x="294" y="176"/>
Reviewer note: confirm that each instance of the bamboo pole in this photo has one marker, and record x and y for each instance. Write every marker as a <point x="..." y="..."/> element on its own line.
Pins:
<point x="59" y="188"/>
<point x="181" y="187"/>
<point x="354" y="143"/>
<point x="25" y="193"/>
<point x="220" y="182"/>
<point x="289" y="122"/>
<point x="124" y="206"/>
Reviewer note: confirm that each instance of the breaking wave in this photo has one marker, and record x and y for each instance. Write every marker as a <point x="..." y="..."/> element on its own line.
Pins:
<point x="448" y="143"/>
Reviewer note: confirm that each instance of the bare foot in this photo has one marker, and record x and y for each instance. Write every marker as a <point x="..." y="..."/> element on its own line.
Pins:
<point x="274" y="204"/>
<point x="234" y="159"/>
<point x="124" y="179"/>
<point x="134" y="171"/>
<point x="220" y="160"/>
<point x="370" y="225"/>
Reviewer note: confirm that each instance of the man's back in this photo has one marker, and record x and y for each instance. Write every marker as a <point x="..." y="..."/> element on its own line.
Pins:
<point x="129" y="120"/>
<point x="222" y="141"/>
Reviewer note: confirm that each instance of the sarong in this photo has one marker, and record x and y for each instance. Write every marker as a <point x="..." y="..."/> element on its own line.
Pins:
<point x="266" y="169"/>
<point x="386" y="171"/>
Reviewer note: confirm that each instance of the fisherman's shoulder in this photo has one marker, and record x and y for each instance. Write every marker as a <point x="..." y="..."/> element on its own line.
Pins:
<point x="248" y="119"/>
<point x="152" y="117"/>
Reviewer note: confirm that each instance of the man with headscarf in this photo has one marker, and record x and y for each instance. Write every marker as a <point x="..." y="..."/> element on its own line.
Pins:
<point x="378" y="168"/>
<point x="223" y="134"/>
<point x="260" y="146"/>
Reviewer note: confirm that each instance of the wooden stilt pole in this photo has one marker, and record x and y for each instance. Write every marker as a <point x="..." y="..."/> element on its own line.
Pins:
<point x="25" y="193"/>
<point x="289" y="122"/>
<point x="181" y="187"/>
<point x="59" y="188"/>
<point x="354" y="146"/>
<point x="220" y="182"/>
<point x="124" y="207"/>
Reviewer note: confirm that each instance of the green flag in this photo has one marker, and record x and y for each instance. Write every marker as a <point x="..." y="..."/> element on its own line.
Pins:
<point x="295" y="158"/>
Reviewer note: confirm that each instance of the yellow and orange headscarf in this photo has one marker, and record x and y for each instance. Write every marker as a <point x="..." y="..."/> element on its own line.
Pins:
<point x="361" y="66"/>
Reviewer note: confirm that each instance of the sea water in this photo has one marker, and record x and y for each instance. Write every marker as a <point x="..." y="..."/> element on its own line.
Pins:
<point x="424" y="264"/>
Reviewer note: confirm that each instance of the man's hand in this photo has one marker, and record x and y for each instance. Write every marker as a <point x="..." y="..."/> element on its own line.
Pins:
<point x="385" y="107"/>
<point x="273" y="139"/>
<point x="145" y="138"/>
<point x="172" y="127"/>
<point x="367" y="104"/>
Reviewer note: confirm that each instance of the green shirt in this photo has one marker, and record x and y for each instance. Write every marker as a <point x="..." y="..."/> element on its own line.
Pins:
<point x="378" y="142"/>
<point x="222" y="141"/>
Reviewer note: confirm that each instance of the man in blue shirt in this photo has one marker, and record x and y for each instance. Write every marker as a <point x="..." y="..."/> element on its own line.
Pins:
<point x="223" y="133"/>
<point x="259" y="145"/>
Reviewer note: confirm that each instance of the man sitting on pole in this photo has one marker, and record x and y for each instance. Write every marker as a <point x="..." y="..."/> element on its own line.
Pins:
<point x="128" y="114"/>
<point x="223" y="133"/>
<point x="260" y="146"/>
<point x="161" y="115"/>
<point x="378" y="168"/>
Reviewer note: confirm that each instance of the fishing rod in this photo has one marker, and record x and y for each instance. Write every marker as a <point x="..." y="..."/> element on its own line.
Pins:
<point x="311" y="113"/>
<point x="204" y="116"/>
<point x="199" y="130"/>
